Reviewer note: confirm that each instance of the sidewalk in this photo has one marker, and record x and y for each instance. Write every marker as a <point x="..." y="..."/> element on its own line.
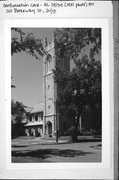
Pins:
<point x="52" y="140"/>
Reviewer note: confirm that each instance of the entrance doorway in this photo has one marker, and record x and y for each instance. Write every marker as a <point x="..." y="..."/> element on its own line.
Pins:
<point x="49" y="128"/>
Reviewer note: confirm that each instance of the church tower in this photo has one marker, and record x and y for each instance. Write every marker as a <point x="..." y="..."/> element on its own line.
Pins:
<point x="53" y="121"/>
<point x="49" y="90"/>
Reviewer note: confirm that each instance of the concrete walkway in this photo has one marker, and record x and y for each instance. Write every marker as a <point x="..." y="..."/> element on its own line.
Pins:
<point x="47" y="140"/>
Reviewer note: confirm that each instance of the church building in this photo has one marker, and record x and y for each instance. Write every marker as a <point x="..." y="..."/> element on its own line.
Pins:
<point x="46" y="120"/>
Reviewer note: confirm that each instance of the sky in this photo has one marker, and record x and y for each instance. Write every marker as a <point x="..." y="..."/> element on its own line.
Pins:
<point x="27" y="72"/>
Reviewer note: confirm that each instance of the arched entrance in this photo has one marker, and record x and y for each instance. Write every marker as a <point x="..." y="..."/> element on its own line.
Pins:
<point x="49" y="128"/>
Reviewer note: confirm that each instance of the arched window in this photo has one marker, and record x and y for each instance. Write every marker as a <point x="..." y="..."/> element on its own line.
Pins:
<point x="48" y="86"/>
<point x="48" y="63"/>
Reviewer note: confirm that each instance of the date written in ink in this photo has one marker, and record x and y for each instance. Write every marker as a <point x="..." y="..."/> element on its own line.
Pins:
<point x="51" y="11"/>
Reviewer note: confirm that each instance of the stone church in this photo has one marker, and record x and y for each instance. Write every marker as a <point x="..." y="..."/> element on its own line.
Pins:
<point x="46" y="120"/>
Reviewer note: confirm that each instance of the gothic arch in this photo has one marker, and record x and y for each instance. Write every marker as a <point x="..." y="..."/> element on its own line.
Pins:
<point x="48" y="62"/>
<point x="49" y="128"/>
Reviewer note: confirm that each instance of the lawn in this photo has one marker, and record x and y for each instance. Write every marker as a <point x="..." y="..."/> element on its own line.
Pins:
<point x="24" y="151"/>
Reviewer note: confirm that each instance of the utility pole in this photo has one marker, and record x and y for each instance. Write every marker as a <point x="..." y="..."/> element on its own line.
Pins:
<point x="57" y="127"/>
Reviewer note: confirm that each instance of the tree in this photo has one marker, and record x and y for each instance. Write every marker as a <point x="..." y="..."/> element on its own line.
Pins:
<point x="70" y="42"/>
<point x="18" y="113"/>
<point x="27" y="43"/>
<point x="82" y="85"/>
<point x="33" y="46"/>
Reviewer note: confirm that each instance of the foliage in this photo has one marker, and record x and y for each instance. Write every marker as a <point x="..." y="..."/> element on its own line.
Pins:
<point x="18" y="113"/>
<point x="70" y="41"/>
<point x="82" y="85"/>
<point x="27" y="43"/>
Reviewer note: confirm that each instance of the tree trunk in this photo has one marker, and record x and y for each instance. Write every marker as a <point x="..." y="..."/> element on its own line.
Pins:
<point x="74" y="133"/>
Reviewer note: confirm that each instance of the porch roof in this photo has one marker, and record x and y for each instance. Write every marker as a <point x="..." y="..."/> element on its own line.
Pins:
<point x="33" y="124"/>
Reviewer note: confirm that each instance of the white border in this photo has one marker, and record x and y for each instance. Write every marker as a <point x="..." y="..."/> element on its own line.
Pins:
<point x="107" y="115"/>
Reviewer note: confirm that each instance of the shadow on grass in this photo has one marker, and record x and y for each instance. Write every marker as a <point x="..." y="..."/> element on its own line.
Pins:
<point x="99" y="146"/>
<point x="46" y="153"/>
<point x="89" y="140"/>
<point x="18" y="146"/>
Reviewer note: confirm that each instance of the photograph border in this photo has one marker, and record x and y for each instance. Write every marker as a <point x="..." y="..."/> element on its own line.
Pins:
<point x="107" y="96"/>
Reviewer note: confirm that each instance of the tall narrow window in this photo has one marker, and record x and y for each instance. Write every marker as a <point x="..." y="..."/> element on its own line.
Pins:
<point x="48" y="62"/>
<point x="36" y="117"/>
<point x="41" y="116"/>
<point x="30" y="118"/>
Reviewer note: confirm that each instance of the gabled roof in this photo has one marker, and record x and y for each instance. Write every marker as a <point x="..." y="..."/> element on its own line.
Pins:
<point x="28" y="109"/>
